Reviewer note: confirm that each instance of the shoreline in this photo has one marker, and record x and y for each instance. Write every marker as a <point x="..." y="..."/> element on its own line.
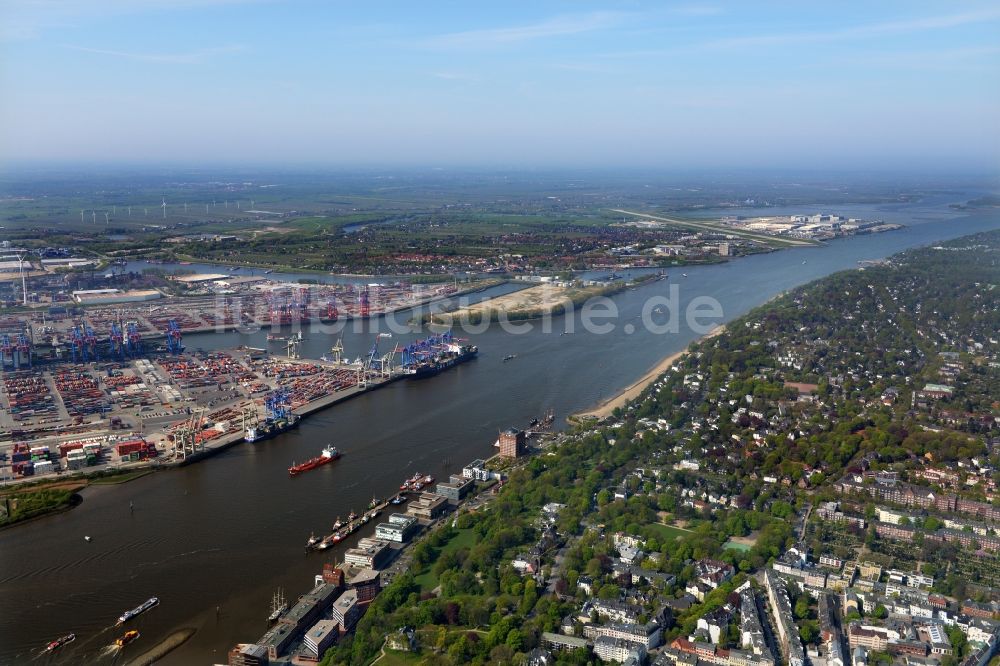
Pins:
<point x="173" y="641"/>
<point x="604" y="409"/>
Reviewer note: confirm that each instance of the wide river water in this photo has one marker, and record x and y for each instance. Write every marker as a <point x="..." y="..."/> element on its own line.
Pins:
<point x="228" y="531"/>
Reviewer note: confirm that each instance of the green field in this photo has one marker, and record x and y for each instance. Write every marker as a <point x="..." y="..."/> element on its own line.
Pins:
<point x="397" y="658"/>
<point x="667" y="532"/>
<point x="731" y="545"/>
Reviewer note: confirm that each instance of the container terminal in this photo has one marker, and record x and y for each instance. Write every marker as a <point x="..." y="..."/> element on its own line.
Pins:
<point x="120" y="407"/>
<point x="75" y="326"/>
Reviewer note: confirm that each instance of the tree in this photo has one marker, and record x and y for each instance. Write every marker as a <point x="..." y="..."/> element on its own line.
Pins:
<point x="809" y="632"/>
<point x="802" y="607"/>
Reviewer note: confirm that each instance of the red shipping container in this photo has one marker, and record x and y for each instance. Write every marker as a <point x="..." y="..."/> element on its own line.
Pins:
<point x="66" y="448"/>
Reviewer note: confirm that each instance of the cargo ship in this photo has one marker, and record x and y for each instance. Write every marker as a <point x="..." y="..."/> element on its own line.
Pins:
<point x="59" y="642"/>
<point x="127" y="638"/>
<point x="152" y="602"/>
<point x="453" y="355"/>
<point x="329" y="454"/>
<point x="271" y="428"/>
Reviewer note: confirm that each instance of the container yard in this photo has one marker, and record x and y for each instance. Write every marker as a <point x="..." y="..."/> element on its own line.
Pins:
<point x="116" y="376"/>
<point x="125" y="330"/>
<point x="175" y="407"/>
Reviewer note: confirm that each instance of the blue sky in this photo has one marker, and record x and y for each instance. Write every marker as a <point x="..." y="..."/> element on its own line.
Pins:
<point x="675" y="85"/>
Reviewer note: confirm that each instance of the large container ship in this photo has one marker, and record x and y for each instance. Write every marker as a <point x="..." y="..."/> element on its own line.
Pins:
<point x="329" y="454"/>
<point x="452" y="355"/>
<point x="271" y="428"/>
<point x="152" y="602"/>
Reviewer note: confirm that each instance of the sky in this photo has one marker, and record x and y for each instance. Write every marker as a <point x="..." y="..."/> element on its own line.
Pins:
<point x="543" y="83"/>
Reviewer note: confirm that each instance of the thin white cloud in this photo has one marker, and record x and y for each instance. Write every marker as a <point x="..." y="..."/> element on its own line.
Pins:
<point x="696" y="10"/>
<point x="858" y="32"/>
<point x="454" y="76"/>
<point x="584" y="67"/>
<point x="937" y="59"/>
<point x="29" y="19"/>
<point x="862" y="31"/>
<point x="181" y="58"/>
<point x="559" y="26"/>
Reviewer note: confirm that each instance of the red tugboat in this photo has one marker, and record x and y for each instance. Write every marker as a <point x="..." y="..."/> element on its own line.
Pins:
<point x="59" y="642"/>
<point x="410" y="483"/>
<point x="329" y="454"/>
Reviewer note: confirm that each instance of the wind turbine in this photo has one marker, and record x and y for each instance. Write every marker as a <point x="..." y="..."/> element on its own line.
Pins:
<point x="164" y="207"/>
<point x="107" y="218"/>
<point x="93" y="216"/>
<point x="81" y="215"/>
<point x="130" y="211"/>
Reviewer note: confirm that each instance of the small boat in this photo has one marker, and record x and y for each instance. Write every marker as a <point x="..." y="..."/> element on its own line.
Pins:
<point x="684" y="274"/>
<point x="59" y="642"/>
<point x="127" y="638"/>
<point x="373" y="503"/>
<point x="86" y="538"/>
<point x="312" y="540"/>
<point x="268" y="272"/>
<point x="509" y="357"/>
<point x="337" y="525"/>
<point x="397" y="500"/>
<point x="410" y="483"/>
<point x="351" y="517"/>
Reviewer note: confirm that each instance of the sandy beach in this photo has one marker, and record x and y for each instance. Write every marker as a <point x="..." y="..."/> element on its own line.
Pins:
<point x="543" y="297"/>
<point x="635" y="389"/>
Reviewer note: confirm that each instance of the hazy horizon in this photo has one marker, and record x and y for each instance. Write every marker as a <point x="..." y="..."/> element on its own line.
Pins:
<point x="681" y="86"/>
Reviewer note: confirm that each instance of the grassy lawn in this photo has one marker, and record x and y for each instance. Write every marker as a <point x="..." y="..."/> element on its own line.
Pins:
<point x="462" y="539"/>
<point x="31" y="502"/>
<point x="397" y="658"/>
<point x="733" y="545"/>
<point x="667" y="532"/>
